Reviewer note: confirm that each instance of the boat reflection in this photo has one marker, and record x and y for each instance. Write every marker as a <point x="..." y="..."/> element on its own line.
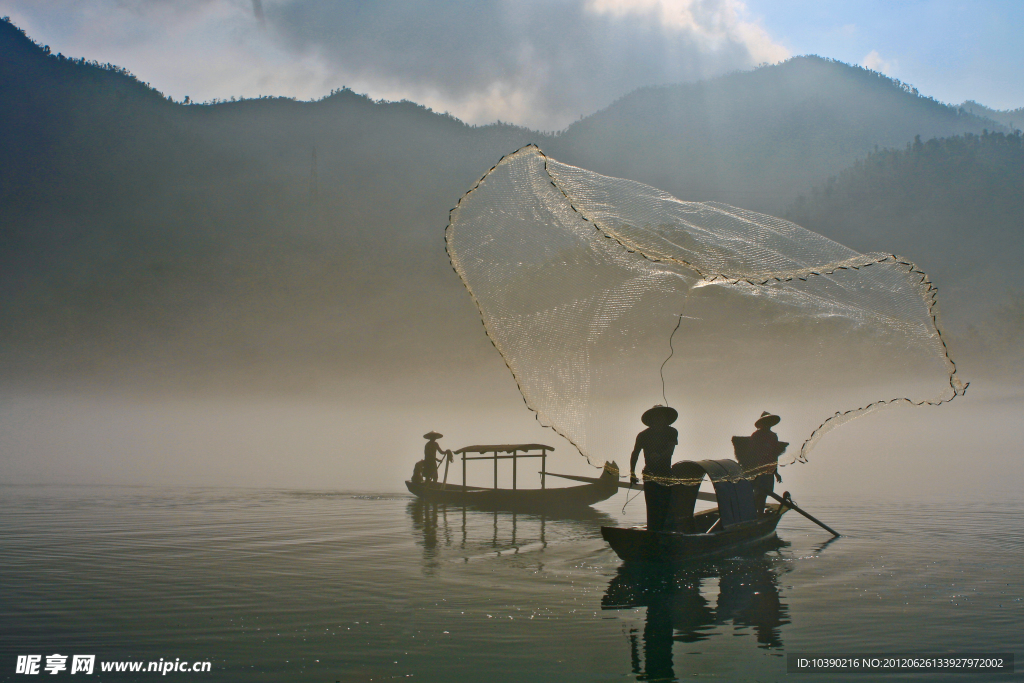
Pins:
<point x="439" y="527"/>
<point x="680" y="608"/>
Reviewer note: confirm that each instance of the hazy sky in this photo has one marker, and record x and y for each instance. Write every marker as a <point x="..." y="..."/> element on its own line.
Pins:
<point x="540" y="63"/>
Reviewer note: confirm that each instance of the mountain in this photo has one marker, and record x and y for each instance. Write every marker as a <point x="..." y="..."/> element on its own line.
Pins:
<point x="953" y="205"/>
<point x="284" y="244"/>
<point x="136" y="231"/>
<point x="757" y="139"/>
<point x="1011" y="118"/>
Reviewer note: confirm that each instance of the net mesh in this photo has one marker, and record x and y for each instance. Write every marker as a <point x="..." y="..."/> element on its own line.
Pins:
<point x="605" y="296"/>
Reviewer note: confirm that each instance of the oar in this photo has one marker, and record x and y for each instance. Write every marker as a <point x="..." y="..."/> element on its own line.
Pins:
<point x="788" y="502"/>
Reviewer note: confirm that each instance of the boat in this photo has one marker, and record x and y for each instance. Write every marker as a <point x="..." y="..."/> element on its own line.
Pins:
<point x="593" y="490"/>
<point x="732" y="526"/>
<point x="637" y="544"/>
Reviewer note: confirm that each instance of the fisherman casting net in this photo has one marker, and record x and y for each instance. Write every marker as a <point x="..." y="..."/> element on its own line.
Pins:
<point x="586" y="285"/>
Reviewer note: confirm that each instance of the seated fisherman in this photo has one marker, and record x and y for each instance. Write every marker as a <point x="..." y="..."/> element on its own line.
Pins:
<point x="658" y="442"/>
<point x="758" y="455"/>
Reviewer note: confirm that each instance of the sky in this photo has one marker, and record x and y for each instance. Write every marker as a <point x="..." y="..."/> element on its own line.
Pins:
<point x="537" y="63"/>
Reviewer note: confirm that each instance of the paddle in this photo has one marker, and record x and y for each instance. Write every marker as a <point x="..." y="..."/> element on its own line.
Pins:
<point x="788" y="502"/>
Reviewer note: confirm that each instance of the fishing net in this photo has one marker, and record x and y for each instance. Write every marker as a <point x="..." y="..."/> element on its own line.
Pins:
<point x="605" y="296"/>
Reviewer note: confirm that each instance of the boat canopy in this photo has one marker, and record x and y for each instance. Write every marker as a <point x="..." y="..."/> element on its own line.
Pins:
<point x="735" y="494"/>
<point x="505" y="448"/>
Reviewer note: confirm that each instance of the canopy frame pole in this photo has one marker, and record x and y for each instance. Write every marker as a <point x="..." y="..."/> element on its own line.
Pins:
<point x="493" y="452"/>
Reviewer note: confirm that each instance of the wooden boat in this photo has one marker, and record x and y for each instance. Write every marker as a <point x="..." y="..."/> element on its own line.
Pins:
<point x="637" y="544"/>
<point x="518" y="500"/>
<point x="515" y="499"/>
<point x="733" y="525"/>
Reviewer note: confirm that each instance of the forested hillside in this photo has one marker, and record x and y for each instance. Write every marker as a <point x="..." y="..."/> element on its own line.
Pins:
<point x="280" y="243"/>
<point x="757" y="139"/>
<point x="138" y="234"/>
<point x="1012" y="119"/>
<point x="953" y="205"/>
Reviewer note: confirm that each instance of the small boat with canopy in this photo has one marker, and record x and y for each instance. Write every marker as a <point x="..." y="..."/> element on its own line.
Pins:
<point x="515" y="499"/>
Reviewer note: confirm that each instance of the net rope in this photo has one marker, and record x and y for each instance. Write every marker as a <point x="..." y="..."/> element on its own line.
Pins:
<point x="580" y="279"/>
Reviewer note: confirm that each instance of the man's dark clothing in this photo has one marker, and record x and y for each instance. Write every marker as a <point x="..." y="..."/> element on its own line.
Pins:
<point x="657" y="444"/>
<point x="765" y="449"/>
<point x="659" y="504"/>
<point x="430" y="451"/>
<point x="758" y="455"/>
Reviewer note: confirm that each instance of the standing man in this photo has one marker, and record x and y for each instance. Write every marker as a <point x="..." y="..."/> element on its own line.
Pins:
<point x="658" y="442"/>
<point x="430" y="459"/>
<point x="758" y="455"/>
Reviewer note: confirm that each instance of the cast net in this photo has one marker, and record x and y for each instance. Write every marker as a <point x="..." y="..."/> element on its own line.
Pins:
<point x="605" y="296"/>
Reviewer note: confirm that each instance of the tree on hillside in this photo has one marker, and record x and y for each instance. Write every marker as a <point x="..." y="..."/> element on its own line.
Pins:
<point x="948" y="184"/>
<point x="955" y="206"/>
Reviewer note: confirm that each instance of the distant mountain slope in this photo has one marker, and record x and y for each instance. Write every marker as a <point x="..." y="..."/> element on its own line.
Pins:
<point x="291" y="243"/>
<point x="756" y="139"/>
<point x="1011" y="118"/>
<point x="135" y="229"/>
<point x="954" y="205"/>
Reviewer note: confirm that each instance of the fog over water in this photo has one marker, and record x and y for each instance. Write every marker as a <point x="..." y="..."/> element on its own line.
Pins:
<point x="969" y="448"/>
<point x="256" y="293"/>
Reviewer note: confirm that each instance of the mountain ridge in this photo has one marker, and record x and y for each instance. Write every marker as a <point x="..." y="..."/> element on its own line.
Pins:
<point x="305" y="238"/>
<point x="813" y="117"/>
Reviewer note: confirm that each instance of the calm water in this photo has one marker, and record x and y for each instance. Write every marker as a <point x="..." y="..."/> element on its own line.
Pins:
<point x="312" y="586"/>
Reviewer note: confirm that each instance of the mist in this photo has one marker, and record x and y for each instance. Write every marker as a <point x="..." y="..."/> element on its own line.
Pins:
<point x="256" y="292"/>
<point x="969" y="448"/>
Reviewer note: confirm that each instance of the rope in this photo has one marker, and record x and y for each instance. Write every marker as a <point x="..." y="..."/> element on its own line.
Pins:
<point x="671" y="352"/>
<point x="628" y="499"/>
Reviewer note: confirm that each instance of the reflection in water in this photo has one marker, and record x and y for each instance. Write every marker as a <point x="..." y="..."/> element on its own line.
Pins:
<point x="426" y="518"/>
<point x="678" y="611"/>
<point x="821" y="546"/>
<point x="440" y="526"/>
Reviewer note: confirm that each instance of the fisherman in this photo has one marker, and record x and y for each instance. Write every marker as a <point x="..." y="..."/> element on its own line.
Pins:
<point x="658" y="442"/>
<point x="427" y="468"/>
<point x="758" y="455"/>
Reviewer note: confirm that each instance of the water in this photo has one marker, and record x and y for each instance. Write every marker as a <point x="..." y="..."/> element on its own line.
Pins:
<point x="272" y="585"/>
